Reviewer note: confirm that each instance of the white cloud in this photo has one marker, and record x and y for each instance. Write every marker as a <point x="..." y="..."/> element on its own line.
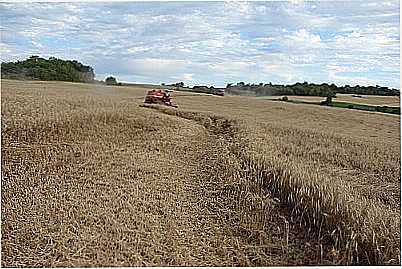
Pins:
<point x="5" y="49"/>
<point x="261" y="9"/>
<point x="232" y="67"/>
<point x="366" y="41"/>
<point x="301" y="16"/>
<point x="352" y="80"/>
<point x="296" y="2"/>
<point x="186" y="77"/>
<point x="151" y="65"/>
<point x="37" y="44"/>
<point x="240" y="8"/>
<point x="380" y="4"/>
<point x="285" y="71"/>
<point x="304" y="38"/>
<point x="338" y="68"/>
<point x="211" y="42"/>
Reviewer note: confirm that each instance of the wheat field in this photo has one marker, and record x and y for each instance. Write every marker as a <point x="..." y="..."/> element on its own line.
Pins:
<point x="91" y="178"/>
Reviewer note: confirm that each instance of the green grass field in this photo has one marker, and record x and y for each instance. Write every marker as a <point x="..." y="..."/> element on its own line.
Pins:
<point x="348" y="105"/>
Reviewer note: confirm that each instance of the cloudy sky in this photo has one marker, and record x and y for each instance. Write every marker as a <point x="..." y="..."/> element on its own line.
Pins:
<point x="213" y="43"/>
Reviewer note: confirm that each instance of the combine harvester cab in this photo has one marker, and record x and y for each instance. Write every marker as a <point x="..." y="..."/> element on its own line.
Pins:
<point x="220" y="92"/>
<point x="161" y="97"/>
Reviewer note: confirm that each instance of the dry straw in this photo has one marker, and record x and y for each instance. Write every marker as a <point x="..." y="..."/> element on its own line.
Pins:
<point x="92" y="179"/>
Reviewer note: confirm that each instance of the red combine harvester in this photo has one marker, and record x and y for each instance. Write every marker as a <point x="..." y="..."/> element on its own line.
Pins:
<point x="220" y="92"/>
<point x="161" y="97"/>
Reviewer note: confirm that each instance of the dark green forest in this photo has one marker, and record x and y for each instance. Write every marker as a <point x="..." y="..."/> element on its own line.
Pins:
<point x="37" y="68"/>
<point x="307" y="89"/>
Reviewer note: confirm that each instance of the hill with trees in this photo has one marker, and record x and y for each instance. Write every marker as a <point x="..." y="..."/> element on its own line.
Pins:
<point x="37" y="68"/>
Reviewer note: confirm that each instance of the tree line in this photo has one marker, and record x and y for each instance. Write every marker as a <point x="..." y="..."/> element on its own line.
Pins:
<point x="307" y="89"/>
<point x="37" y="68"/>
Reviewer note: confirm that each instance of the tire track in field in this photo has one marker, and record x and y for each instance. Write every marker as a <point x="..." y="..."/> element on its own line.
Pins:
<point x="321" y="236"/>
<point x="259" y="227"/>
<point x="108" y="194"/>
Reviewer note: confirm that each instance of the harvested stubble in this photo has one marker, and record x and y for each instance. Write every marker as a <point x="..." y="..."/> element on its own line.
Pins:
<point x="337" y="170"/>
<point x="346" y="193"/>
<point x="320" y="176"/>
<point x="91" y="179"/>
<point x="80" y="185"/>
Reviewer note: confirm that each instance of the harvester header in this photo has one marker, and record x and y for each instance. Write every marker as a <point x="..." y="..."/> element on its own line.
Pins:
<point x="160" y="96"/>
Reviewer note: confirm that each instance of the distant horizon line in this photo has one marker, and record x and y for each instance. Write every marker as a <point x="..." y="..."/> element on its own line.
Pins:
<point x="234" y="83"/>
<point x="201" y="84"/>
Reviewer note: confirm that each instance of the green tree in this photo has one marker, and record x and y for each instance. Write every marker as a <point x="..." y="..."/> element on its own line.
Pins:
<point x="111" y="81"/>
<point x="37" y="68"/>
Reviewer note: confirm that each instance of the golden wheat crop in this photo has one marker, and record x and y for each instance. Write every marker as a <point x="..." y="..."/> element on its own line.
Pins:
<point x="90" y="178"/>
<point x="336" y="169"/>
